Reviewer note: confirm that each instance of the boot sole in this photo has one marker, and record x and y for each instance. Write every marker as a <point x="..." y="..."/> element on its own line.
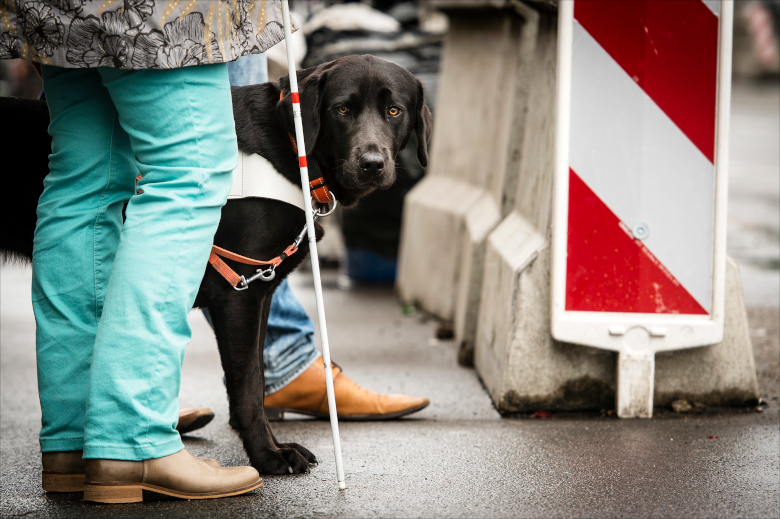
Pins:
<point x="53" y="482"/>
<point x="276" y="414"/>
<point x="196" y="423"/>
<point x="134" y="493"/>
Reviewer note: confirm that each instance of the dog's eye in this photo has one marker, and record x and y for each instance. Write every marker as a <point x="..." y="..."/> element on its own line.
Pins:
<point x="343" y="109"/>
<point x="394" y="111"/>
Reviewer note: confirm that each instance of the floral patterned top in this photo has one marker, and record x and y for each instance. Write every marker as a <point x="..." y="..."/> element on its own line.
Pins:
<point x="137" y="34"/>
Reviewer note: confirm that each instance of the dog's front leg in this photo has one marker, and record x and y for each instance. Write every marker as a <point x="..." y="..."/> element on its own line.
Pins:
<point x="239" y="323"/>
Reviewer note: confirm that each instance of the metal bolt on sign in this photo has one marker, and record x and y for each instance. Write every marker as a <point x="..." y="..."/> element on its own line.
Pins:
<point x="641" y="231"/>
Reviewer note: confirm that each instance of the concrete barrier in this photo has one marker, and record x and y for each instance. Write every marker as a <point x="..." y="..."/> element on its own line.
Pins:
<point x="476" y="236"/>
<point x="522" y="366"/>
<point x="474" y="160"/>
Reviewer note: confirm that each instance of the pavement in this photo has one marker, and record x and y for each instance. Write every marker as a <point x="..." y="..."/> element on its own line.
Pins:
<point x="458" y="457"/>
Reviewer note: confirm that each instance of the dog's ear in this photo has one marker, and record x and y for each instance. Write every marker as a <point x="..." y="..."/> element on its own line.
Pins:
<point x="310" y="85"/>
<point x="422" y="126"/>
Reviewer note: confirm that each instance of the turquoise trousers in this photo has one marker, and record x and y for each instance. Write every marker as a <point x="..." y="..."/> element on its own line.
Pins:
<point x="111" y="298"/>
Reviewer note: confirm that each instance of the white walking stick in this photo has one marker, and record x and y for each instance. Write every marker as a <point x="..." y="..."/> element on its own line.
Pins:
<point x="315" y="262"/>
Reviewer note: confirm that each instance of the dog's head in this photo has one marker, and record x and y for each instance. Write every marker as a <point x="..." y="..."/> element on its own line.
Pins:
<point x="358" y="113"/>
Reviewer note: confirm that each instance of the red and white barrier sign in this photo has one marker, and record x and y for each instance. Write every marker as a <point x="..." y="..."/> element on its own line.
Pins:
<point x="640" y="196"/>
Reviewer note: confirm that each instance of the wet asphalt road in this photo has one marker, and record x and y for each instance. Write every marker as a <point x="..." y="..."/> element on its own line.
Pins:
<point x="458" y="458"/>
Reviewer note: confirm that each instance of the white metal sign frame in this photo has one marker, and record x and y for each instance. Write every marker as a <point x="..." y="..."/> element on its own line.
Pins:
<point x="637" y="336"/>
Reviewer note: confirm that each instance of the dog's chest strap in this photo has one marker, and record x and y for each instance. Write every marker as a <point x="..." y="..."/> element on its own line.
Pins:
<point x="255" y="177"/>
<point x="267" y="272"/>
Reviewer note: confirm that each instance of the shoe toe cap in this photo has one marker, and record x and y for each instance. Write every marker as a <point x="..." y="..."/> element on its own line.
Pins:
<point x="244" y="476"/>
<point x="399" y="403"/>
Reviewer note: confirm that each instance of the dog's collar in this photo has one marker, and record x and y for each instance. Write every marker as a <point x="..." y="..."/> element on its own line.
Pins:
<point x="255" y="177"/>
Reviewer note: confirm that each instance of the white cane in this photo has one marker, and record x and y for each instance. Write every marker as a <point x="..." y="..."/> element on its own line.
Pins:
<point x="315" y="262"/>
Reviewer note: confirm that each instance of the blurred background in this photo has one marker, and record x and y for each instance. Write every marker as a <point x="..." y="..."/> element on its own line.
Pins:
<point x="362" y="242"/>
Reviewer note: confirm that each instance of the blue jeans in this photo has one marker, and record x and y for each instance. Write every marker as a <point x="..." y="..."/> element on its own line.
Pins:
<point x="289" y="341"/>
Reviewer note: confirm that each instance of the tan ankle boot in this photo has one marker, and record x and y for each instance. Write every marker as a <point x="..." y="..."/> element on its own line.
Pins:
<point x="307" y="395"/>
<point x="62" y="471"/>
<point x="179" y="475"/>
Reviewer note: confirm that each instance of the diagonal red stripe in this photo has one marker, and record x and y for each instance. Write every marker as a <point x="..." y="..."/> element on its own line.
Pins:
<point x="607" y="270"/>
<point x="670" y="48"/>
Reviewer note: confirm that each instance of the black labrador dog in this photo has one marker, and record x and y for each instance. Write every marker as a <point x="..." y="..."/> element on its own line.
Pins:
<point x="358" y="113"/>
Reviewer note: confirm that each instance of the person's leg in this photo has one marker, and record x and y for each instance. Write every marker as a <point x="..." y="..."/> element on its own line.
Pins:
<point x="289" y="340"/>
<point x="251" y="69"/>
<point x="182" y="136"/>
<point x="77" y="232"/>
<point x="289" y="348"/>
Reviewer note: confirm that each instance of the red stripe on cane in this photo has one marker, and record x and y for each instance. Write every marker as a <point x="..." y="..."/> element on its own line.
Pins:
<point x="302" y="161"/>
<point x="295" y="98"/>
<point x="670" y="49"/>
<point x="608" y="270"/>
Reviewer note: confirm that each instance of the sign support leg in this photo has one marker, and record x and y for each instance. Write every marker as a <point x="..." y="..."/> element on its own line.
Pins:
<point x="635" y="384"/>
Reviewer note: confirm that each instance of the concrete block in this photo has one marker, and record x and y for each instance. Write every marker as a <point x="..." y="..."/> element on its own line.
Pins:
<point x="525" y="369"/>
<point x="479" y="221"/>
<point x="521" y="365"/>
<point x="473" y="159"/>
<point x="431" y="241"/>
<point x="722" y="374"/>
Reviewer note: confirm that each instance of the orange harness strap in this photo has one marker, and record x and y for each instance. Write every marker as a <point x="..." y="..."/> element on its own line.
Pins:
<point x="229" y="274"/>
<point x="226" y="272"/>
<point x="292" y="141"/>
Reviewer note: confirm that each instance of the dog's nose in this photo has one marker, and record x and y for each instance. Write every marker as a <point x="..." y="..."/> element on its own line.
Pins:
<point x="372" y="163"/>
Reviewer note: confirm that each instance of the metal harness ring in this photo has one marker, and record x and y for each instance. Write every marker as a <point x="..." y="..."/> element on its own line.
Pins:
<point x="317" y="211"/>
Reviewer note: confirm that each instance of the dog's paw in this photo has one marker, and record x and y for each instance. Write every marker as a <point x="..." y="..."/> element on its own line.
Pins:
<point x="310" y="458"/>
<point x="282" y="461"/>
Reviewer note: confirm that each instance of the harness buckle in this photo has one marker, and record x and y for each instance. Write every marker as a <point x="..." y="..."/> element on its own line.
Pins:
<point x="266" y="275"/>
<point x="243" y="285"/>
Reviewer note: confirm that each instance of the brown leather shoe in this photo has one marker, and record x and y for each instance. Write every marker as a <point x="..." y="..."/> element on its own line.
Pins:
<point x="307" y="395"/>
<point x="63" y="471"/>
<point x="179" y="475"/>
<point x="193" y="419"/>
